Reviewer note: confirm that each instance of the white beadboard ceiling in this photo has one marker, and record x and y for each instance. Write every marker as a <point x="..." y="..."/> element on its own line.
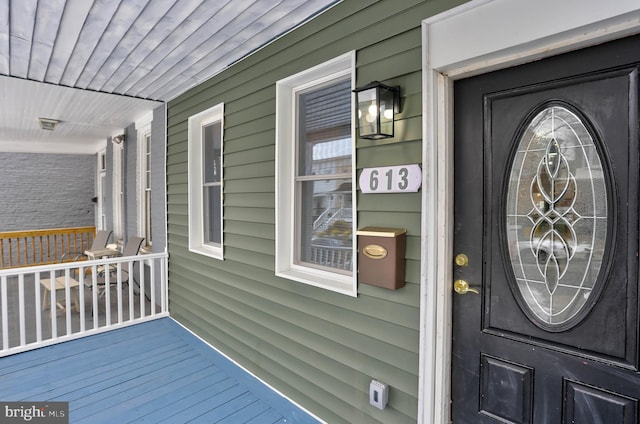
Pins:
<point x="99" y="65"/>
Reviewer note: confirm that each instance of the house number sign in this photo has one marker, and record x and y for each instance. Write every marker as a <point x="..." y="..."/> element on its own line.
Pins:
<point x="391" y="179"/>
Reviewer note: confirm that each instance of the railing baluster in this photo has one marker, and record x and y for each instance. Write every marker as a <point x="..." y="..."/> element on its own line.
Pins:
<point x="131" y="279"/>
<point x="10" y="252"/>
<point x="21" y="307"/>
<point x="142" y="296"/>
<point x="33" y="250"/>
<point x="152" y="287"/>
<point x="48" y="240"/>
<point x="119" y="288"/>
<point x="5" y="313"/>
<point x="94" y="284"/>
<point x="67" y="300"/>
<point x="40" y="249"/>
<point x="107" y="295"/>
<point x="38" y="308"/>
<point x="81" y="298"/>
<point x="53" y="305"/>
<point x="55" y="247"/>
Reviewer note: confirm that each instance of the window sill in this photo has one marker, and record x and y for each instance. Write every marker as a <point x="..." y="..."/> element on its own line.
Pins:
<point x="339" y="283"/>
<point x="212" y="252"/>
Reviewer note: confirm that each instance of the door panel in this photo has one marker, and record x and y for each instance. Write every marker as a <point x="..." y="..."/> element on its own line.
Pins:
<point x="552" y="335"/>
<point x="598" y="332"/>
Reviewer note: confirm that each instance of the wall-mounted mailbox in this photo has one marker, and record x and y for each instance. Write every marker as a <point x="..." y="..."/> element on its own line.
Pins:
<point x="381" y="256"/>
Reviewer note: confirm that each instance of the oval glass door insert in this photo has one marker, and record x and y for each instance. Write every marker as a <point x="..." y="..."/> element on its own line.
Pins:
<point x="556" y="213"/>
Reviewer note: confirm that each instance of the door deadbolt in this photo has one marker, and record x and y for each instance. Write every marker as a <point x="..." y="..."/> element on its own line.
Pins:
<point x="462" y="259"/>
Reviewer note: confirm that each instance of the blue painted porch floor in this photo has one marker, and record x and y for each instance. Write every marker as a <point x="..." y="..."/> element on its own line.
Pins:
<point x="154" y="372"/>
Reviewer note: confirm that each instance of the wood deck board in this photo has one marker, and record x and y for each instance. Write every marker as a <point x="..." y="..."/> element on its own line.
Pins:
<point x="151" y="372"/>
<point x="74" y="380"/>
<point x="187" y="407"/>
<point x="90" y="363"/>
<point x="64" y="382"/>
<point x="267" y="417"/>
<point x="148" y="408"/>
<point x="110" y="395"/>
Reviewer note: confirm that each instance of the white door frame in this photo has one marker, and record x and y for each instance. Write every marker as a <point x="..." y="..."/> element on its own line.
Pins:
<point x="477" y="37"/>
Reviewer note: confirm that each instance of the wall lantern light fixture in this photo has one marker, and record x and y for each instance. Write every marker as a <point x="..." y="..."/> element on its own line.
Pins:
<point x="377" y="104"/>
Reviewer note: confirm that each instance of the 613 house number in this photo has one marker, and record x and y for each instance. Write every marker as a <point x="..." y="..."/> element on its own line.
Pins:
<point x="391" y="179"/>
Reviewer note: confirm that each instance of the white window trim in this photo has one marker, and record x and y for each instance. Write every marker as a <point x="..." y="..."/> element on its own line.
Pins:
<point x="101" y="176"/>
<point x="196" y="218"/>
<point x="286" y="90"/>
<point x="117" y="192"/>
<point x="143" y="129"/>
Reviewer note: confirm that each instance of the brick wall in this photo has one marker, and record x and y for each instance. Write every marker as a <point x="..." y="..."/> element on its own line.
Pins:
<point x="40" y="191"/>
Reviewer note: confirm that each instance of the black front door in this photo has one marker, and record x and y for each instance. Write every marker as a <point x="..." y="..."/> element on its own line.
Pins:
<point x="546" y="233"/>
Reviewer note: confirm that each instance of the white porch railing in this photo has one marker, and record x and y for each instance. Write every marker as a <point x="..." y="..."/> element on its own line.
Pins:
<point x="49" y="304"/>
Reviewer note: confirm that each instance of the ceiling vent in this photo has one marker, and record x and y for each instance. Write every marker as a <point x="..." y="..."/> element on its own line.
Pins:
<point x="48" y="124"/>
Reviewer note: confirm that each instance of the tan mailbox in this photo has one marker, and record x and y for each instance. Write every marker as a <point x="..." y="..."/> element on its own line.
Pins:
<point x="381" y="256"/>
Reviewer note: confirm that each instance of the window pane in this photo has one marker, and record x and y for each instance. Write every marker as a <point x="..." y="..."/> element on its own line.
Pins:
<point x="326" y="223"/>
<point x="212" y="210"/>
<point x="212" y="141"/>
<point x="324" y="121"/>
<point x="147" y="164"/>
<point x="325" y="148"/>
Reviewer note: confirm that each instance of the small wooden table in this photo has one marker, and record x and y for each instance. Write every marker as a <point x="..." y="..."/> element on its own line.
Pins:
<point x="101" y="253"/>
<point x="60" y="285"/>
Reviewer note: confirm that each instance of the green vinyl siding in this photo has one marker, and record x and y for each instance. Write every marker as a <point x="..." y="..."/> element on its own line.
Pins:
<point x="317" y="347"/>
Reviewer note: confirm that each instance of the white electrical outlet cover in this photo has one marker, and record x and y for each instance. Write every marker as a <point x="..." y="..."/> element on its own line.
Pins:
<point x="378" y="394"/>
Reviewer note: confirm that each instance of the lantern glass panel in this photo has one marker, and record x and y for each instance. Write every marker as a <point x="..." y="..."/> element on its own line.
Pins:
<point x="386" y="112"/>
<point x="368" y="112"/>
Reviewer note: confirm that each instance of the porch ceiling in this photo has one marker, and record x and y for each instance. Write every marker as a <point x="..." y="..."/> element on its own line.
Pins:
<point x="99" y="65"/>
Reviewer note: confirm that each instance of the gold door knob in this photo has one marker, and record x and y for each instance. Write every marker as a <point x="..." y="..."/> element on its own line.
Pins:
<point x="462" y="287"/>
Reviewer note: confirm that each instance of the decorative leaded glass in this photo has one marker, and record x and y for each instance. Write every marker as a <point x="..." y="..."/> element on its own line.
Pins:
<point x="556" y="216"/>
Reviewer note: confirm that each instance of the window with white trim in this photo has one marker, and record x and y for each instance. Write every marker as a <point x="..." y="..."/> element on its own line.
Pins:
<point x="205" y="135"/>
<point x="315" y="182"/>
<point x="101" y="221"/>
<point x="146" y="188"/>
<point x="118" y="191"/>
<point x="143" y="128"/>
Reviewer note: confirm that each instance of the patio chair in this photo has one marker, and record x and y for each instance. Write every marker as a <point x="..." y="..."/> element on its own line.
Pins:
<point x="132" y="248"/>
<point x="99" y="242"/>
